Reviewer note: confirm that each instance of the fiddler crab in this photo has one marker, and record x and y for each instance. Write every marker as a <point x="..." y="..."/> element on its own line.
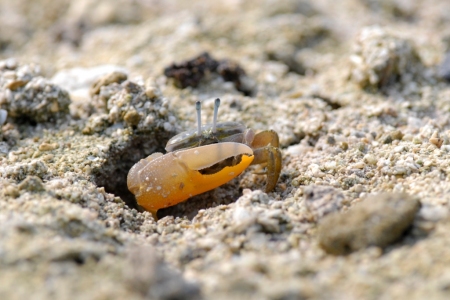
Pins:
<point x="201" y="159"/>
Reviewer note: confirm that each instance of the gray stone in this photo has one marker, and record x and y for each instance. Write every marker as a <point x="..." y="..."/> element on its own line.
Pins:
<point x="377" y="221"/>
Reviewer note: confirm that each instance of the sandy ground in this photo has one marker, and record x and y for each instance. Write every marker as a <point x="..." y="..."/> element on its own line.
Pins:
<point x="356" y="92"/>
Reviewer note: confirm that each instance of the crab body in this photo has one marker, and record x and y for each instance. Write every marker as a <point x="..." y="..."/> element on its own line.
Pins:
<point x="201" y="160"/>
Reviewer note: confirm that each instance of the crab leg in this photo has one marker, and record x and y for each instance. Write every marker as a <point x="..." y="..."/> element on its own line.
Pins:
<point x="271" y="156"/>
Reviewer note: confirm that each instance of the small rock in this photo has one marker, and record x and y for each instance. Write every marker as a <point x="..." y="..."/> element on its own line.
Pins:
<point x="399" y="149"/>
<point x="32" y="184"/>
<point x="377" y="221"/>
<point x="48" y="147"/>
<point x="436" y="140"/>
<point x="31" y="96"/>
<point x="16" y="84"/>
<point x="322" y="200"/>
<point x="114" y="77"/>
<point x="391" y="136"/>
<point x="3" y="116"/>
<point x="370" y="159"/>
<point x="150" y="276"/>
<point x="331" y="140"/>
<point x="4" y="147"/>
<point x="387" y="139"/>
<point x="131" y="87"/>
<point x="11" y="190"/>
<point x="132" y="118"/>
<point x="127" y="103"/>
<point x="396" y="135"/>
<point x="382" y="58"/>
<point x="151" y="92"/>
<point x="444" y="69"/>
<point x="193" y="71"/>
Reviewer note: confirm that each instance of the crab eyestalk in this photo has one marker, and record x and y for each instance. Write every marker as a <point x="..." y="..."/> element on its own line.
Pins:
<point x="216" y="109"/>
<point x="198" y="107"/>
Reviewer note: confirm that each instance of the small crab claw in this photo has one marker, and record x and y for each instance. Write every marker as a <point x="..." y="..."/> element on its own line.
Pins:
<point x="271" y="156"/>
<point x="264" y="138"/>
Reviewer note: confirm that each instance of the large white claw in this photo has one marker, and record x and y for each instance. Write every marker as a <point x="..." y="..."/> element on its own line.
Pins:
<point x="205" y="156"/>
<point x="134" y="180"/>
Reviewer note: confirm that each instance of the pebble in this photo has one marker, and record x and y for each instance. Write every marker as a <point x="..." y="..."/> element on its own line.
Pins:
<point x="370" y="159"/>
<point x="151" y="277"/>
<point x="16" y="84"/>
<point x="48" y="147"/>
<point x="3" y="116"/>
<point x="399" y="149"/>
<point x="358" y="165"/>
<point x="32" y="184"/>
<point x="322" y="200"/>
<point x="34" y="98"/>
<point x="436" y="140"/>
<point x="444" y="69"/>
<point x="113" y="77"/>
<point x="151" y="92"/>
<point x="392" y="136"/>
<point x="132" y="118"/>
<point x="381" y="58"/>
<point x="379" y="220"/>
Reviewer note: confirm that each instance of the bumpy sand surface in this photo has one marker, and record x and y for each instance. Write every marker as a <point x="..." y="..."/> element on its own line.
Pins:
<point x="355" y="90"/>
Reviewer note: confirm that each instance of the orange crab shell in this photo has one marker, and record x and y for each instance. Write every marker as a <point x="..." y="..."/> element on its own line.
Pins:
<point x="160" y="181"/>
